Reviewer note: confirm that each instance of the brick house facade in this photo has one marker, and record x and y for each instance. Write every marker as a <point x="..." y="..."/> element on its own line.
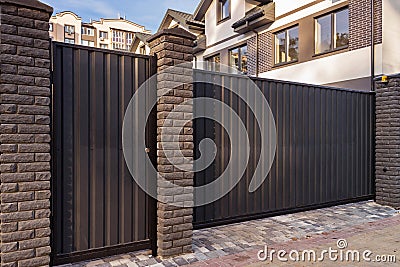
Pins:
<point x="254" y="24"/>
<point x="359" y="30"/>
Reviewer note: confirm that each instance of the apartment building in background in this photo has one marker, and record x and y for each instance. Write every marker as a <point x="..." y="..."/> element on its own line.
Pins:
<point x="324" y="42"/>
<point x="117" y="34"/>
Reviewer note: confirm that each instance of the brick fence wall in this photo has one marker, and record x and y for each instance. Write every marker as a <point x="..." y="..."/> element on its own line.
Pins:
<point x="174" y="136"/>
<point x="387" y="153"/>
<point x="25" y="133"/>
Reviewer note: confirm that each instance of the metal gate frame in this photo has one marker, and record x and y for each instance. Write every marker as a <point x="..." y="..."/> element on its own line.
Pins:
<point x="151" y="140"/>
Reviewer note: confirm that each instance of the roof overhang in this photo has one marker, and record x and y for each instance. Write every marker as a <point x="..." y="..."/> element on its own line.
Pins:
<point x="202" y="9"/>
<point x="183" y="20"/>
<point x="205" y="4"/>
<point x="258" y="2"/>
<point x="255" y="18"/>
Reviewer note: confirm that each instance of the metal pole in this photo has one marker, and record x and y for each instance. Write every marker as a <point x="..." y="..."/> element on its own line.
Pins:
<point x="372" y="46"/>
<point x="257" y="47"/>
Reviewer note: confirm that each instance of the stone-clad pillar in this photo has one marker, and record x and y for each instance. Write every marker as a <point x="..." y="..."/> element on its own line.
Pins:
<point x="25" y="133"/>
<point x="388" y="142"/>
<point x="174" y="132"/>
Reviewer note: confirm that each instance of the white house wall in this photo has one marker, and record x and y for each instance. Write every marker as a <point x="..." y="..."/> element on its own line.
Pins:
<point x="391" y="36"/>
<point x="216" y="33"/>
<point x="300" y="14"/>
<point x="66" y="19"/>
<point x="335" y="68"/>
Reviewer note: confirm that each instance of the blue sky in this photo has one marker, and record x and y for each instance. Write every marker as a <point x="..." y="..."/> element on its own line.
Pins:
<point x="145" y="12"/>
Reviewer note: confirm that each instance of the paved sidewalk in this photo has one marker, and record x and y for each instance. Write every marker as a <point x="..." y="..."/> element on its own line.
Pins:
<point x="380" y="237"/>
<point x="237" y="244"/>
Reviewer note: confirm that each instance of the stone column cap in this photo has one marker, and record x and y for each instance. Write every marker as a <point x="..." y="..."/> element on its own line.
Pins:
<point x="178" y="32"/>
<point x="34" y="4"/>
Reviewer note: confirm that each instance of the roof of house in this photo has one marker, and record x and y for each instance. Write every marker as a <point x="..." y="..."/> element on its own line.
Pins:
<point x="62" y="13"/>
<point x="185" y="19"/>
<point x="139" y="37"/>
<point x="205" y="4"/>
<point x="142" y="37"/>
<point x="103" y="20"/>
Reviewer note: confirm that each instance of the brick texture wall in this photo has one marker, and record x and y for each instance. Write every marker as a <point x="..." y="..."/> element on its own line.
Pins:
<point x="25" y="133"/>
<point x="388" y="143"/>
<point x="360" y="35"/>
<point x="360" y="23"/>
<point x="265" y="57"/>
<point x="174" y="134"/>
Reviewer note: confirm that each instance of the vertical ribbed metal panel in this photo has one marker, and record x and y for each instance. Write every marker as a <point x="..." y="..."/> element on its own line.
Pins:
<point x="324" y="150"/>
<point x="97" y="206"/>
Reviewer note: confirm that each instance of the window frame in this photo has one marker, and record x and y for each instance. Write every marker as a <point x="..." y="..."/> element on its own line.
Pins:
<point x="87" y="43"/>
<point x="211" y="59"/>
<point x="240" y="67"/>
<point x="85" y="31"/>
<point x="218" y="16"/>
<point x="73" y="40"/>
<point x="103" y="32"/>
<point x="69" y="26"/>
<point x="51" y="27"/>
<point x="332" y="15"/>
<point x="286" y="31"/>
<point x="142" y="49"/>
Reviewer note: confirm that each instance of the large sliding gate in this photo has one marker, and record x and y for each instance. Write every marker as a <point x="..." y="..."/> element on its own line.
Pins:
<point x="324" y="155"/>
<point x="97" y="207"/>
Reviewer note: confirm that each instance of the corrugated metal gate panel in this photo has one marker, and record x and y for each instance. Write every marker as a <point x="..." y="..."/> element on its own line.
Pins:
<point x="324" y="149"/>
<point x="97" y="207"/>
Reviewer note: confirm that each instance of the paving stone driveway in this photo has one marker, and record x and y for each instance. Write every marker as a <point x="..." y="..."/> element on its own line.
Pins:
<point x="231" y="239"/>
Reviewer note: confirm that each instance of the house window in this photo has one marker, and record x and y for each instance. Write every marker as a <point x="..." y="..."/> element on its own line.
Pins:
<point x="69" y="29"/>
<point x="122" y="40"/>
<point x="103" y="35"/>
<point x="51" y="27"/>
<point x="213" y="63"/>
<point x="118" y="47"/>
<point x="104" y="46"/>
<point x="287" y="45"/>
<point x="238" y="58"/>
<point x="118" y="40"/>
<point x="223" y="9"/>
<point x="332" y="31"/>
<point x="129" y="39"/>
<point x="87" y="43"/>
<point x="69" y="41"/>
<point x="87" y="31"/>
<point x="143" y="50"/>
<point x="118" y="37"/>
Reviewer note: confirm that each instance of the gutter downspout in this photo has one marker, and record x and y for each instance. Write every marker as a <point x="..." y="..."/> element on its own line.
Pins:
<point x="257" y="47"/>
<point x="372" y="46"/>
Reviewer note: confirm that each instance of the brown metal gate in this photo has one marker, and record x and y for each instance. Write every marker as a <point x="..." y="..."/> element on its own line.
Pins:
<point x="324" y="156"/>
<point x="97" y="207"/>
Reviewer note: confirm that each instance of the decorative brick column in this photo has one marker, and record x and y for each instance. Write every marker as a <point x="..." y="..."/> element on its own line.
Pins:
<point x="388" y="142"/>
<point x="174" y="224"/>
<point x="265" y="57"/>
<point x="25" y="133"/>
